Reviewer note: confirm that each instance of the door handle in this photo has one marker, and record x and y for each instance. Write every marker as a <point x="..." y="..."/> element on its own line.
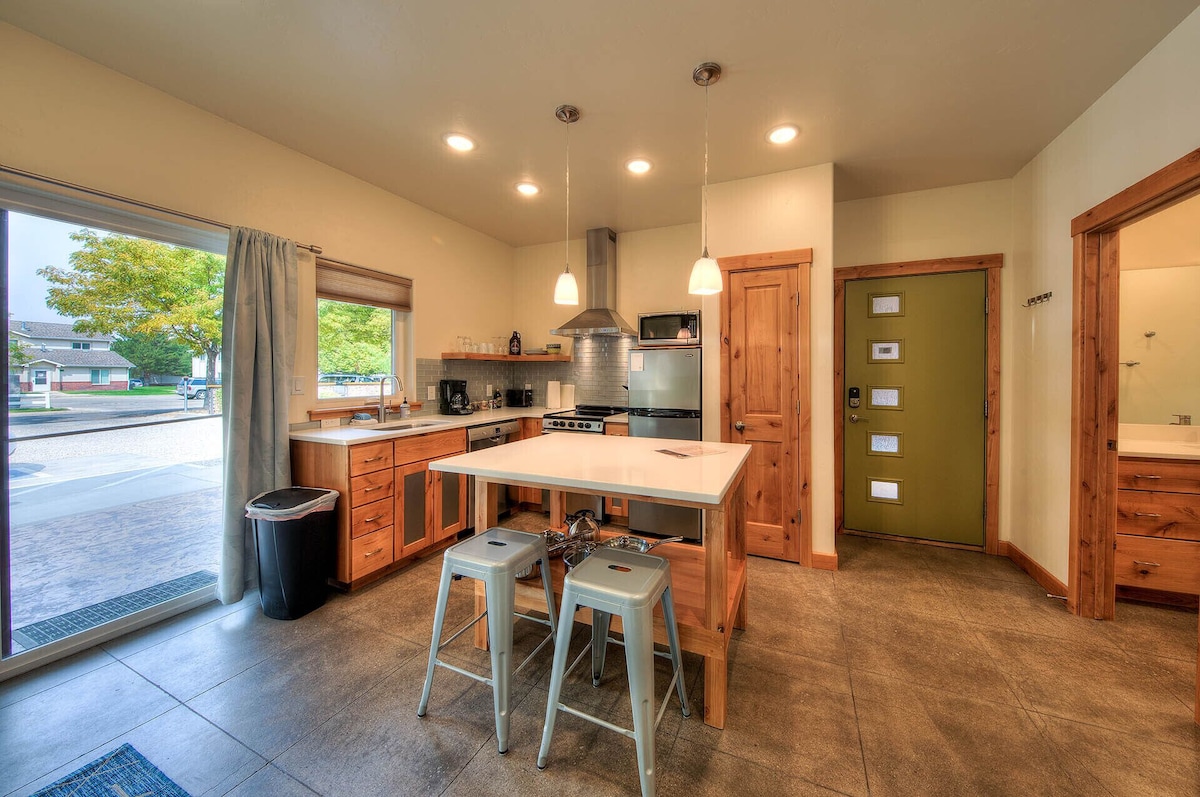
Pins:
<point x="740" y="426"/>
<point x="856" y="418"/>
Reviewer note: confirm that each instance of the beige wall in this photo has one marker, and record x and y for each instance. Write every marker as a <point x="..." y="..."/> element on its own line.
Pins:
<point x="1146" y="120"/>
<point x="788" y="210"/>
<point x="71" y="119"/>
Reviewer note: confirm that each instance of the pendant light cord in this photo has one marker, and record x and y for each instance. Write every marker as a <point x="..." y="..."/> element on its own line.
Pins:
<point x="567" y="236"/>
<point x="704" y="198"/>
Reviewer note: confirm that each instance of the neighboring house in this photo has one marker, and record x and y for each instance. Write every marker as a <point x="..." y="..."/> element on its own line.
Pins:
<point x="67" y="360"/>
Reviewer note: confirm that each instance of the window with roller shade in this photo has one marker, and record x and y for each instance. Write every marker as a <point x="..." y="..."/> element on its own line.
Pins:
<point x="359" y="314"/>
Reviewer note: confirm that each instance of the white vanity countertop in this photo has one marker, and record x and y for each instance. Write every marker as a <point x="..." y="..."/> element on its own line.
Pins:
<point x="353" y="435"/>
<point x="1159" y="441"/>
<point x="609" y="464"/>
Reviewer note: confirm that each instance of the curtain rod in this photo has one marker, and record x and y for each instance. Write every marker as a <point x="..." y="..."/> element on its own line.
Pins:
<point x="314" y="248"/>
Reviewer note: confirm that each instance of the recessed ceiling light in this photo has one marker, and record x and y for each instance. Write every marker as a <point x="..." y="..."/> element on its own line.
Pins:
<point x="638" y="165"/>
<point x="459" y="142"/>
<point x="782" y="134"/>
<point x="528" y="189"/>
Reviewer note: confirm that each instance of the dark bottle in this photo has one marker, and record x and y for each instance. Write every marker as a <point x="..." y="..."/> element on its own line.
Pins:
<point x="514" y="343"/>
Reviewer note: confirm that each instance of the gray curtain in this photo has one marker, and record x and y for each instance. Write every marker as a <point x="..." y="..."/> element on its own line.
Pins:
<point x="258" y="352"/>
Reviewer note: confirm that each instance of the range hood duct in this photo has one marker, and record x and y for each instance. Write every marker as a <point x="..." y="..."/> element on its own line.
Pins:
<point x="599" y="318"/>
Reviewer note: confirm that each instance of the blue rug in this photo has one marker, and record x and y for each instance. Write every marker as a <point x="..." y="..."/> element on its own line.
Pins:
<point x="121" y="773"/>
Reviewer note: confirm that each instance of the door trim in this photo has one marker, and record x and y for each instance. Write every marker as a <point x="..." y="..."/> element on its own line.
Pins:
<point x="945" y="265"/>
<point x="801" y="260"/>
<point x="1091" y="583"/>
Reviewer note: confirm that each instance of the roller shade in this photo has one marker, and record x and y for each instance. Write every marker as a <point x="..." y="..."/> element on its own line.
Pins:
<point x="346" y="283"/>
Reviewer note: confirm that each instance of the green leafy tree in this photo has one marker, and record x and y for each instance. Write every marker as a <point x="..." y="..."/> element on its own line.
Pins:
<point x="154" y="355"/>
<point x="353" y="338"/>
<point x="125" y="286"/>
<point x="18" y="355"/>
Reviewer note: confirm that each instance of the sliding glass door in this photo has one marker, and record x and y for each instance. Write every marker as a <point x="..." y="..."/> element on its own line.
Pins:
<point x="112" y="473"/>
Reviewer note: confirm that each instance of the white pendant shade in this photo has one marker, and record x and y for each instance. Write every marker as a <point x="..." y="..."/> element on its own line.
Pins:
<point x="566" y="290"/>
<point x="706" y="277"/>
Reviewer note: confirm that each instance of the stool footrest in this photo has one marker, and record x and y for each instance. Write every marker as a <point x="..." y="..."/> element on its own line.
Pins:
<point x="537" y="650"/>
<point x="483" y="679"/>
<point x="602" y="723"/>
<point x="460" y="632"/>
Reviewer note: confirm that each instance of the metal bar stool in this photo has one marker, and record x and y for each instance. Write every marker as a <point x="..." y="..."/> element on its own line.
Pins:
<point x="626" y="584"/>
<point x="493" y="557"/>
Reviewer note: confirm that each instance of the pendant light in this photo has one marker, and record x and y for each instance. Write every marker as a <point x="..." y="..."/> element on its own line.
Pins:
<point x="566" y="290"/>
<point x="706" y="274"/>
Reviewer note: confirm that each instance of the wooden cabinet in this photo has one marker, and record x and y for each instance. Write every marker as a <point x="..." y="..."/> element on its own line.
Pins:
<point x="617" y="508"/>
<point x="530" y="497"/>
<point x="1158" y="524"/>
<point x="391" y="506"/>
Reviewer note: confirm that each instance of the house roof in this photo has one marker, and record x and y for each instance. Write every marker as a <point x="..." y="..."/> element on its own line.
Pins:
<point x="79" y="357"/>
<point x="900" y="96"/>
<point x="53" y="331"/>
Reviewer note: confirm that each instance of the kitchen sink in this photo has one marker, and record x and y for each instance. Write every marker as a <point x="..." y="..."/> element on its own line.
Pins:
<point x="394" y="425"/>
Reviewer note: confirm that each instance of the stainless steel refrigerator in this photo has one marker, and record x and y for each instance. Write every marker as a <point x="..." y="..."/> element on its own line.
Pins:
<point x="664" y="402"/>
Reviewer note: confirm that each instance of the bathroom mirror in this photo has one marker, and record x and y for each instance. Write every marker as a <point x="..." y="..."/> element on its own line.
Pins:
<point x="1160" y="317"/>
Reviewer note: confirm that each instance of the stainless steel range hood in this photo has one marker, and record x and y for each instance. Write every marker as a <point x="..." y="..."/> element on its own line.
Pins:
<point x="599" y="318"/>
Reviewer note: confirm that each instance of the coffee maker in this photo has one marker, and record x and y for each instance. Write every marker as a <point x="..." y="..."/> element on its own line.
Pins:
<point x="452" y="397"/>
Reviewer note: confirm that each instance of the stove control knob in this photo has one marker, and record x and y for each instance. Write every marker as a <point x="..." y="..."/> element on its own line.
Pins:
<point x="571" y="424"/>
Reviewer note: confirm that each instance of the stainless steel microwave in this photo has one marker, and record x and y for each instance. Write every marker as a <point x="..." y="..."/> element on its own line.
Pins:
<point x="681" y="328"/>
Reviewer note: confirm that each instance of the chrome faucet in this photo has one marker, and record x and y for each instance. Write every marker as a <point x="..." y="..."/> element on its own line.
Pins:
<point x="382" y="406"/>
<point x="1184" y="420"/>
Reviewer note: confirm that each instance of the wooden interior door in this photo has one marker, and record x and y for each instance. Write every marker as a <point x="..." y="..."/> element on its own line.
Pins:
<point x="764" y="404"/>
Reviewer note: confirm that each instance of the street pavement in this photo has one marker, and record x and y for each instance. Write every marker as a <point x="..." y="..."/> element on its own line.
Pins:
<point x="86" y="412"/>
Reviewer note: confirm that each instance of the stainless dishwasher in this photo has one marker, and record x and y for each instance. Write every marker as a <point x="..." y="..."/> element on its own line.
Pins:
<point x="488" y="436"/>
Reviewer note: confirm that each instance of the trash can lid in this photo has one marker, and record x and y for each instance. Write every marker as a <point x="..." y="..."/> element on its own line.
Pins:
<point x="290" y="503"/>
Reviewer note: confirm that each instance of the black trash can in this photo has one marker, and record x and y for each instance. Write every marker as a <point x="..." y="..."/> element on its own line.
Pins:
<point x="294" y="532"/>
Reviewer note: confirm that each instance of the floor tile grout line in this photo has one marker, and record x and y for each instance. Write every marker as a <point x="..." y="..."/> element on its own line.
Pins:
<point x="862" y="748"/>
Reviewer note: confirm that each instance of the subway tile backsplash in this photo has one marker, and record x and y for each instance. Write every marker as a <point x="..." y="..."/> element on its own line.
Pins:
<point x="598" y="370"/>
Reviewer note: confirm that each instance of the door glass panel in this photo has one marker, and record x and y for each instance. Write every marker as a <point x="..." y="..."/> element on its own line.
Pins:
<point x="414" y="507"/>
<point x="114" y="480"/>
<point x="884" y="443"/>
<point x="886" y="351"/>
<point x="884" y="398"/>
<point x="886" y="490"/>
<point x="886" y="304"/>
<point x="450" y="504"/>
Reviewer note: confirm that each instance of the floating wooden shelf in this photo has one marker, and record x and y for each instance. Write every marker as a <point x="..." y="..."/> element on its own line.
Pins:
<point x="507" y="358"/>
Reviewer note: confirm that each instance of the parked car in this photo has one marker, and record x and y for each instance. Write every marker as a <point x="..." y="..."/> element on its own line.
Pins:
<point x="193" y="387"/>
<point x="136" y="383"/>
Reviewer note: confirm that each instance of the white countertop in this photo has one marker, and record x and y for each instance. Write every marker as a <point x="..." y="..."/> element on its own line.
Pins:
<point x="1157" y="441"/>
<point x="353" y="435"/>
<point x="608" y="464"/>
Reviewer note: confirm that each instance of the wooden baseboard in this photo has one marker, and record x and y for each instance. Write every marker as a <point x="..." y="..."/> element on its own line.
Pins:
<point x="824" y="561"/>
<point x="1039" y="574"/>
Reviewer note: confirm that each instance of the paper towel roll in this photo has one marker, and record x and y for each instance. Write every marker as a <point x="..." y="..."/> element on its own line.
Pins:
<point x="568" y="396"/>
<point x="553" y="397"/>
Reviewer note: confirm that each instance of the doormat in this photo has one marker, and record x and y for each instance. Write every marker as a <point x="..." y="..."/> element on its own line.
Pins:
<point x="64" y="625"/>
<point x="122" y="773"/>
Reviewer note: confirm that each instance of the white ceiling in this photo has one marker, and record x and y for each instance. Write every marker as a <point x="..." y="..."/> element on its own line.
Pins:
<point x="900" y="95"/>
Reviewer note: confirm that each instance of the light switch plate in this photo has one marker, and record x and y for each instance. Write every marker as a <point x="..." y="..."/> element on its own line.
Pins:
<point x="430" y="392"/>
<point x="297" y="386"/>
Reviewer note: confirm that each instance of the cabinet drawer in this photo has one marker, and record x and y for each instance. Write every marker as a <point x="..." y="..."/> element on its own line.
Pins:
<point x="370" y="487"/>
<point x="430" y="446"/>
<point x="1155" y="514"/>
<point x="1162" y="475"/>
<point x="370" y="457"/>
<point x="371" y="517"/>
<point x="1170" y="565"/>
<point x="370" y="552"/>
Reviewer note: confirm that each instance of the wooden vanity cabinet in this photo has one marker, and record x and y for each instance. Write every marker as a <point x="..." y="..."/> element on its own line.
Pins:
<point x="1158" y="524"/>
<point x="390" y="505"/>
<point x="617" y="508"/>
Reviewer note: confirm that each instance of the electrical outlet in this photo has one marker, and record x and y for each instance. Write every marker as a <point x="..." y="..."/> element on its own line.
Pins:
<point x="330" y="423"/>
<point x="297" y="386"/>
<point x="430" y="392"/>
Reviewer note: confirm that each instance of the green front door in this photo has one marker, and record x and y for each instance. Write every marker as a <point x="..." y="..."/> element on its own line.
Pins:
<point x="914" y="444"/>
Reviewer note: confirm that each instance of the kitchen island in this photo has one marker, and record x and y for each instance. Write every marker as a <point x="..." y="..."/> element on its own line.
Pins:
<point x="708" y="580"/>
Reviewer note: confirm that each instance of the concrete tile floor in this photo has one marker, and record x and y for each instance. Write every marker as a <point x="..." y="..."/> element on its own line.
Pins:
<point x="911" y="671"/>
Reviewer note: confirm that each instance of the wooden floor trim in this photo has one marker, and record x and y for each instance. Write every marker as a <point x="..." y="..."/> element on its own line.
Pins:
<point x="824" y="561"/>
<point x="1039" y="574"/>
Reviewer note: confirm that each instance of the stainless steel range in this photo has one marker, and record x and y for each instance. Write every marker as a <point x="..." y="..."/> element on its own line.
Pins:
<point x="584" y="419"/>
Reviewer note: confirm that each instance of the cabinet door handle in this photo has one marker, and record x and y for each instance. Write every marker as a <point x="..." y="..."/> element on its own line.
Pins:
<point x="1146" y="514"/>
<point x="373" y="489"/>
<point x="1140" y="476"/>
<point x="372" y="519"/>
<point x="372" y="459"/>
<point x="372" y="553"/>
<point x="1146" y="564"/>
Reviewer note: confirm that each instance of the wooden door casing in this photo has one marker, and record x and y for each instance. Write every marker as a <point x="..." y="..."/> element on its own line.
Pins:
<point x="764" y="322"/>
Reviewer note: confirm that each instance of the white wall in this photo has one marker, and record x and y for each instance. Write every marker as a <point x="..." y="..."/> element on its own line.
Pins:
<point x="788" y="210"/>
<point x="1166" y="381"/>
<point x="68" y="118"/>
<point x="1146" y="120"/>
